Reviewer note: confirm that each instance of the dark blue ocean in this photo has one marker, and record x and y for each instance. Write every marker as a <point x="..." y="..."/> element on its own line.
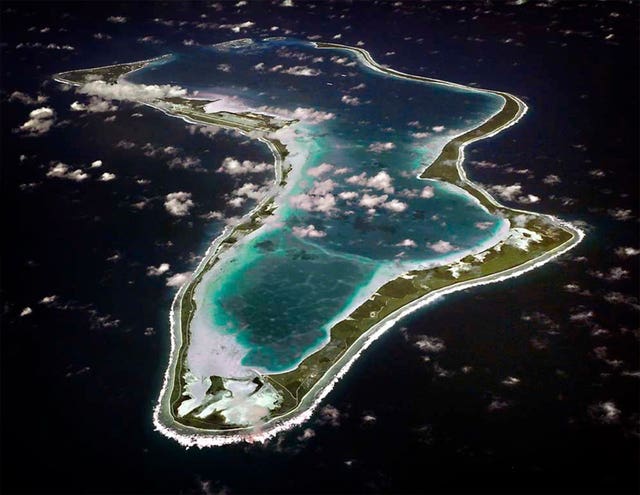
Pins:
<point x="527" y="386"/>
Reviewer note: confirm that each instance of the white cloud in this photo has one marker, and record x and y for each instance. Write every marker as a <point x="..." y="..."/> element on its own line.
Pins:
<point x="186" y="162"/>
<point x="620" y="214"/>
<point x="483" y="225"/>
<point x="26" y="311"/>
<point x="236" y="28"/>
<point x="106" y="177"/>
<point x="395" y="205"/>
<point x="178" y="203"/>
<point x="379" y="147"/>
<point x="224" y="67"/>
<point x="320" y="188"/>
<point x="348" y="195"/>
<point x="96" y="164"/>
<point x="302" y="70"/>
<point x="125" y="90"/>
<point x="308" y="202"/>
<point x="427" y="192"/>
<point x="321" y="169"/>
<point x="48" y="299"/>
<point x="438" y="128"/>
<point x="61" y="171"/>
<point x="232" y="166"/>
<point x="407" y="243"/>
<point x="382" y="181"/>
<point x="308" y="231"/>
<point x="441" y="246"/>
<point x="250" y="190"/>
<point x="552" y="180"/>
<point x="304" y="114"/>
<point x="153" y="271"/>
<point x="513" y="192"/>
<point x="40" y="121"/>
<point x="421" y="134"/>
<point x="26" y="99"/>
<point x="95" y="105"/>
<point x="430" y="344"/>
<point x="117" y="19"/>
<point x="236" y="202"/>
<point x="371" y="201"/>
<point x="626" y="251"/>
<point x="178" y="279"/>
<point x="509" y="193"/>
<point x="350" y="100"/>
<point x="605" y="412"/>
<point x="329" y="414"/>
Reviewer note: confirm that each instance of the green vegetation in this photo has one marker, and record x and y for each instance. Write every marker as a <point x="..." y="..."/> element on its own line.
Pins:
<point x="109" y="74"/>
<point x="294" y="385"/>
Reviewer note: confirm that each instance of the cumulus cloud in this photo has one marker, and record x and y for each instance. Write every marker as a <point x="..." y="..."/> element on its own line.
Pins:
<point x="233" y="166"/>
<point x="26" y="311"/>
<point x="620" y="214"/>
<point x="350" y="100"/>
<point x="513" y="192"/>
<point x="185" y="162"/>
<point x="552" y="180"/>
<point x="48" y="299"/>
<point x="348" y="195"/>
<point x="302" y="70"/>
<point x="178" y="279"/>
<point x="427" y="192"/>
<point x="308" y="231"/>
<point x="40" y="121"/>
<point x="379" y="147"/>
<point x="605" y="412"/>
<point x="371" y="201"/>
<point x="321" y="169"/>
<point x="236" y="28"/>
<point x="61" y="170"/>
<point x="308" y="202"/>
<point x="438" y="128"/>
<point x="441" y="246"/>
<point x="303" y="114"/>
<point x="117" y="19"/>
<point x="125" y="90"/>
<point x="330" y="415"/>
<point x="106" y="177"/>
<point x="156" y="271"/>
<point x="614" y="274"/>
<point x="627" y="251"/>
<point x="178" y="203"/>
<point x="382" y="181"/>
<point x="95" y="105"/>
<point x="430" y="344"/>
<point x="250" y="190"/>
<point x="395" y="205"/>
<point x="508" y="193"/>
<point x="407" y="243"/>
<point x="96" y="164"/>
<point x="27" y="99"/>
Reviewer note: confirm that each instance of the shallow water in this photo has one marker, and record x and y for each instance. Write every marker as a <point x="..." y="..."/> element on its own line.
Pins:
<point x="361" y="214"/>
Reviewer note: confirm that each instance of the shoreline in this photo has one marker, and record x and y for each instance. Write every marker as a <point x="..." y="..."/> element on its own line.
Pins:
<point x="163" y="413"/>
<point x="190" y="436"/>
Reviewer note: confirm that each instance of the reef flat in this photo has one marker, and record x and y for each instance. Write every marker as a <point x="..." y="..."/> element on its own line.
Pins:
<point x="213" y="393"/>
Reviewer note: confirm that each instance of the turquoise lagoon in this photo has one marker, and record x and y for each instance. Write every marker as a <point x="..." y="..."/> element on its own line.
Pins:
<point x="344" y="228"/>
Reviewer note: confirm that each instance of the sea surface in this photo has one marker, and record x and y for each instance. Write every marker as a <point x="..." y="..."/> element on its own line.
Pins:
<point x="529" y="386"/>
<point x="282" y="289"/>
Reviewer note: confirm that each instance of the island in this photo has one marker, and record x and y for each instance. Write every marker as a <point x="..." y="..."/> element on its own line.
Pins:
<point x="335" y="230"/>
